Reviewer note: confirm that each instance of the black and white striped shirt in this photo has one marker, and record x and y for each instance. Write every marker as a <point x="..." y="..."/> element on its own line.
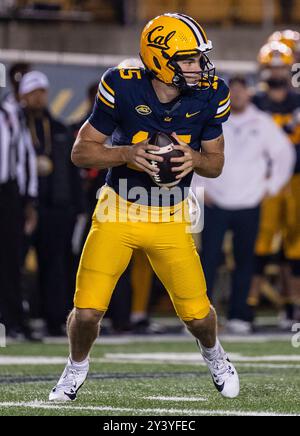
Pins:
<point x="8" y="148"/>
<point x="17" y="154"/>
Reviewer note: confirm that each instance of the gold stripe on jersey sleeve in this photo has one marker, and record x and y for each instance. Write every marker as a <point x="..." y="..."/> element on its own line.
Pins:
<point x="108" y="88"/>
<point x="223" y="113"/>
<point x="225" y="101"/>
<point x="105" y="101"/>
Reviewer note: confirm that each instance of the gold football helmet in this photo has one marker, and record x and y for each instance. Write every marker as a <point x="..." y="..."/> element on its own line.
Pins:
<point x="291" y="38"/>
<point x="275" y="54"/>
<point x="169" y="38"/>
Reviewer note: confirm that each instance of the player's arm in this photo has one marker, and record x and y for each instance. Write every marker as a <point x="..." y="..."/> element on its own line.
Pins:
<point x="91" y="151"/>
<point x="210" y="162"/>
<point x="207" y="163"/>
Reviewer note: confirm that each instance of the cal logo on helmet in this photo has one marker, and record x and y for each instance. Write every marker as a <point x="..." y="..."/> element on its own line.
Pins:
<point x="157" y="40"/>
<point x="143" y="110"/>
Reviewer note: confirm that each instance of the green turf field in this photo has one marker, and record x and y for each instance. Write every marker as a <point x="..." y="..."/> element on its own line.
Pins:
<point x="143" y="377"/>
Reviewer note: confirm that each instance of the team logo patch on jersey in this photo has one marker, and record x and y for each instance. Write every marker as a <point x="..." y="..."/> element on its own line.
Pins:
<point x="143" y="110"/>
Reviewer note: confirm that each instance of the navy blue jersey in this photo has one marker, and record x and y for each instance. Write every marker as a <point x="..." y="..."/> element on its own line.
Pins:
<point x="128" y="108"/>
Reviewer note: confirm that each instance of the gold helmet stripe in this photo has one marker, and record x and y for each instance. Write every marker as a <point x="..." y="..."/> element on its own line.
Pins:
<point x="201" y="30"/>
<point x="200" y="36"/>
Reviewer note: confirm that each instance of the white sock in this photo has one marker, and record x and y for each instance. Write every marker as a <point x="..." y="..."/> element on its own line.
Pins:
<point x="80" y="365"/>
<point x="210" y="353"/>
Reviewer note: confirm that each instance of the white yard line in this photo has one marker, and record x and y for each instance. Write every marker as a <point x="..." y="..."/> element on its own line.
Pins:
<point x="32" y="360"/>
<point x="154" y="358"/>
<point x="179" y="399"/>
<point x="184" y="337"/>
<point x="135" y="411"/>
<point x="196" y="357"/>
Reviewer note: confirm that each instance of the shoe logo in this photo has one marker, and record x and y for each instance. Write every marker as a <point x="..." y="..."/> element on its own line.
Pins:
<point x="219" y="387"/>
<point x="71" y="395"/>
<point x="143" y="110"/>
<point x="192" y="115"/>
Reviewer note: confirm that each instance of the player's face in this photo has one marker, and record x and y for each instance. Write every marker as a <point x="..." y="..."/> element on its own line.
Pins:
<point x="191" y="69"/>
<point x="240" y="97"/>
<point x="37" y="100"/>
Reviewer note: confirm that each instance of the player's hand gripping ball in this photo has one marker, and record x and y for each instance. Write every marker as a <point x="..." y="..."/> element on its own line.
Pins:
<point x="165" y="178"/>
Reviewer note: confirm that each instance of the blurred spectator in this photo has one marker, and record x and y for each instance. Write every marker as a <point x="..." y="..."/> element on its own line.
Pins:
<point x="233" y="200"/>
<point x="60" y="199"/>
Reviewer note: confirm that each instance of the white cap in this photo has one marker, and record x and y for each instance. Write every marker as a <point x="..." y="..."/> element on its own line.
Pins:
<point x="32" y="81"/>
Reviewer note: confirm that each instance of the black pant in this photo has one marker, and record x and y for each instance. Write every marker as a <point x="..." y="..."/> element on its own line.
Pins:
<point x="11" y="313"/>
<point x="53" y="243"/>
<point x="244" y="224"/>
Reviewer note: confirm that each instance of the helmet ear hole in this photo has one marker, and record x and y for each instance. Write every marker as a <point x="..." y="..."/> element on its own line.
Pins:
<point x="156" y="63"/>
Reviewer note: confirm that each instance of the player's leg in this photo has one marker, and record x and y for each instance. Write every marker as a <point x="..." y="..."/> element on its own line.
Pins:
<point x="83" y="327"/>
<point x="175" y="260"/>
<point x="105" y="257"/>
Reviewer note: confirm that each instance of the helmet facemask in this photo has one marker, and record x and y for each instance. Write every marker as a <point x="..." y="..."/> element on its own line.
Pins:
<point x="207" y="72"/>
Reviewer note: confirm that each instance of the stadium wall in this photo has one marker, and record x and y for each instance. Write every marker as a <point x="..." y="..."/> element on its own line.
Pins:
<point x="240" y="43"/>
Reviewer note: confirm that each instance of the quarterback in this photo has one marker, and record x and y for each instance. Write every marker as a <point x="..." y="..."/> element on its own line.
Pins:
<point x="177" y="93"/>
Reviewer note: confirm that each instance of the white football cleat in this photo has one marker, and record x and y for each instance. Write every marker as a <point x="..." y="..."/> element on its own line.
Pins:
<point x="69" y="384"/>
<point x="224" y="375"/>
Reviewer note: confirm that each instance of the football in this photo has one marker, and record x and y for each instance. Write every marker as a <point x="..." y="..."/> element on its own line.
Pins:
<point x="165" y="178"/>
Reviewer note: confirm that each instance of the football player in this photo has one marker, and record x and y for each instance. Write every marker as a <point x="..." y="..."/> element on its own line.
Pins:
<point x="280" y="215"/>
<point x="177" y="92"/>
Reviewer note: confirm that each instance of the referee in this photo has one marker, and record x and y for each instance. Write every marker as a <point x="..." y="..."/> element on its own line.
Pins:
<point x="18" y="188"/>
<point x="11" y="313"/>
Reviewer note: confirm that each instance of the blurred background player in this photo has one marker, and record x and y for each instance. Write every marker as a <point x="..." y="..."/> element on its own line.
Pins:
<point x="232" y="201"/>
<point x="279" y="232"/>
